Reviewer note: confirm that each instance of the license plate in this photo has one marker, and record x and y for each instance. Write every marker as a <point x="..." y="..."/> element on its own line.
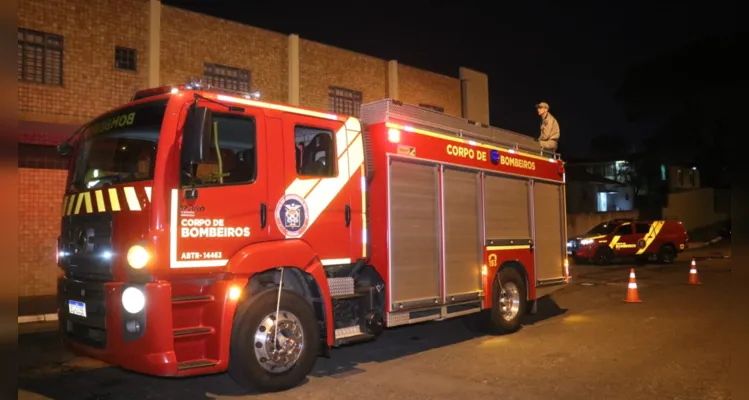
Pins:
<point x="77" y="308"/>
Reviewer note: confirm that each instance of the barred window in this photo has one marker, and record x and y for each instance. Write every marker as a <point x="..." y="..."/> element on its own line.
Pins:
<point x="344" y="101"/>
<point x="125" y="58"/>
<point x="39" y="57"/>
<point x="229" y="78"/>
<point x="431" y="107"/>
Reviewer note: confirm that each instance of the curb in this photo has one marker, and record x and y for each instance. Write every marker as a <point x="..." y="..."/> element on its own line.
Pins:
<point x="25" y="319"/>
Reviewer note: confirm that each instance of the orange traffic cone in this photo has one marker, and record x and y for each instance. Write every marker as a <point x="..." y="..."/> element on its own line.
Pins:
<point x="694" y="279"/>
<point x="632" y="295"/>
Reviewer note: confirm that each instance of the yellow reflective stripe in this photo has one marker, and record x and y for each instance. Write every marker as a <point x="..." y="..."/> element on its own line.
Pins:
<point x="509" y="247"/>
<point x="114" y="199"/>
<point x="460" y="140"/>
<point x="655" y="229"/>
<point x="65" y="204"/>
<point x="132" y="199"/>
<point x="100" y="205"/>
<point x="613" y="241"/>
<point x="78" y="204"/>
<point x="87" y="202"/>
<point x="70" y="204"/>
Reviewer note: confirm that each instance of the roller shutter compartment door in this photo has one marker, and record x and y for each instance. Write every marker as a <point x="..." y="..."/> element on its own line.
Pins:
<point x="507" y="207"/>
<point x="414" y="232"/>
<point x="549" y="244"/>
<point x="463" y="247"/>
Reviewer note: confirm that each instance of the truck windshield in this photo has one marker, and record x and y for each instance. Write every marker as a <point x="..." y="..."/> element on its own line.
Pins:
<point x="604" y="228"/>
<point x="119" y="147"/>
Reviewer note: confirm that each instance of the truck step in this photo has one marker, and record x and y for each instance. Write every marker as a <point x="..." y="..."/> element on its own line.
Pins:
<point x="192" y="331"/>
<point x="192" y="299"/>
<point x="193" y="364"/>
<point x="351" y="334"/>
<point x="347" y="296"/>
<point x="341" y="286"/>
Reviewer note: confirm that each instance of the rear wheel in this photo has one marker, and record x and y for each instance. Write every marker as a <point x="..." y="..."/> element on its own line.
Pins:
<point x="667" y="254"/>
<point x="273" y="352"/>
<point x="509" y="303"/>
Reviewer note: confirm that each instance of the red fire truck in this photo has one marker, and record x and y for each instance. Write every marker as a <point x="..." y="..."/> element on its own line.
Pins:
<point x="206" y="231"/>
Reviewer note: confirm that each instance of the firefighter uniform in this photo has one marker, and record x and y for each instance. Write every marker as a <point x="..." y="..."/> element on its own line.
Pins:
<point x="549" y="130"/>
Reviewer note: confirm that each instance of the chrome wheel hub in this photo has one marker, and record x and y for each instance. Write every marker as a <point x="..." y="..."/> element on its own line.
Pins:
<point x="509" y="301"/>
<point x="278" y="344"/>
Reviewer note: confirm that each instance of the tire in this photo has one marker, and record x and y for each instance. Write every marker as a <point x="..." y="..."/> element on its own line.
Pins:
<point x="667" y="254"/>
<point x="500" y="320"/>
<point x="604" y="256"/>
<point x="251" y="319"/>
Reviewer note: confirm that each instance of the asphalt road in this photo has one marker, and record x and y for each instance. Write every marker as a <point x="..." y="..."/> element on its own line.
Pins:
<point x="585" y="343"/>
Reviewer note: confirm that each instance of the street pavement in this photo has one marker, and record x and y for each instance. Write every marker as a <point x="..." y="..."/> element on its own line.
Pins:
<point x="584" y="343"/>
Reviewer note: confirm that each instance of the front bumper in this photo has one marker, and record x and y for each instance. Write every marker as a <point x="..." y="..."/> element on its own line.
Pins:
<point x="103" y="333"/>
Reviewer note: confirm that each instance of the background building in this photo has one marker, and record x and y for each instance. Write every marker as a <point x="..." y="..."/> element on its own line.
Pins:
<point x="77" y="58"/>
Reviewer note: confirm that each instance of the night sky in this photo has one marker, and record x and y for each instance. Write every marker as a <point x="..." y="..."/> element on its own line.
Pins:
<point x="571" y="54"/>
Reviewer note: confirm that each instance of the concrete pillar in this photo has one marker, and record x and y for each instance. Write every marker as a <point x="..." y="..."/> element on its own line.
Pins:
<point x="293" y="97"/>
<point x="154" y="43"/>
<point x="393" y="79"/>
<point x="475" y="95"/>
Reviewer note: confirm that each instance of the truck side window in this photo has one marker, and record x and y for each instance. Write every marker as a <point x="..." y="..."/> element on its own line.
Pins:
<point x="315" y="152"/>
<point x="232" y="158"/>
<point x="642" y="229"/>
<point x="625" y="230"/>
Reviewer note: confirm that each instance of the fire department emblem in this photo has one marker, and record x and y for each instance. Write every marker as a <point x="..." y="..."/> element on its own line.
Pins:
<point x="292" y="215"/>
<point x="641" y="244"/>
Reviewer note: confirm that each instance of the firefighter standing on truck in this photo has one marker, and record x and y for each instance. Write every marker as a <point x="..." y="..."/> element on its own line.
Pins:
<point x="549" y="128"/>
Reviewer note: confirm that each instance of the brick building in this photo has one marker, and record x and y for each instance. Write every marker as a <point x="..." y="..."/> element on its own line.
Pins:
<point x="77" y="58"/>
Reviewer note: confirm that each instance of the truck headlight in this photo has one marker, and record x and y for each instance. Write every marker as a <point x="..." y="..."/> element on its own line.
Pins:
<point x="133" y="300"/>
<point x="137" y="256"/>
<point x="586" y="242"/>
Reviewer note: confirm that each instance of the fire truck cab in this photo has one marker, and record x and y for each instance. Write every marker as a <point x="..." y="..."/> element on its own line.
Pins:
<point x="205" y="231"/>
<point x="660" y="240"/>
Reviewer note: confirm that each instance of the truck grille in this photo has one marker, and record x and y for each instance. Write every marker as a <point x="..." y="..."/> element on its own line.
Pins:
<point x="86" y="247"/>
<point x="90" y="330"/>
<point x="86" y="244"/>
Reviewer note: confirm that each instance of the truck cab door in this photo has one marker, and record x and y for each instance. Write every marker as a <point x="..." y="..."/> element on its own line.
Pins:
<point x="322" y="200"/>
<point x="221" y="204"/>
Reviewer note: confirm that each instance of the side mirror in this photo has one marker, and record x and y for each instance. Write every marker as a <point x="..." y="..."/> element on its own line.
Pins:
<point x="64" y="149"/>
<point x="196" y="140"/>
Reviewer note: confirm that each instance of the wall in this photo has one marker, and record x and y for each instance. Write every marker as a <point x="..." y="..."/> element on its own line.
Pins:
<point x="322" y="66"/>
<point x="90" y="32"/>
<point x="475" y="86"/>
<point x="583" y="197"/>
<point x="417" y="86"/>
<point x="39" y="208"/>
<point x="681" y="178"/>
<point x="180" y="42"/>
<point x="188" y="40"/>
<point x="579" y="223"/>
<point x="694" y="208"/>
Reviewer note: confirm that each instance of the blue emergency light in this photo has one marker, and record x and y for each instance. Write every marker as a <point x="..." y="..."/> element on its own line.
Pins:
<point x="495" y="157"/>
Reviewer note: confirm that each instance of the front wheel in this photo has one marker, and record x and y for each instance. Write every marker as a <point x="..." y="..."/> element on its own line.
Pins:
<point x="509" y="303"/>
<point x="273" y="352"/>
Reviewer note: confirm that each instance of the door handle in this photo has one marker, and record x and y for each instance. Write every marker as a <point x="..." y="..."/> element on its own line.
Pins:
<point x="263" y="215"/>
<point x="348" y="215"/>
